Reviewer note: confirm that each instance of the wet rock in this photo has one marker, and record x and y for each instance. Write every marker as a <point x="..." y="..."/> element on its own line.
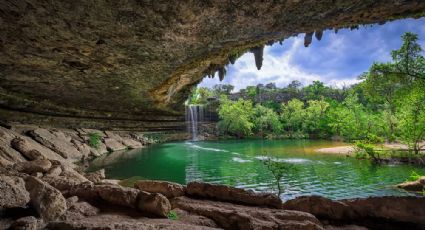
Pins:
<point x="113" y="145"/>
<point x="56" y="141"/>
<point x="154" y="203"/>
<point x="168" y="189"/>
<point x="47" y="201"/>
<point x="231" y="216"/>
<point x="22" y="146"/>
<point x="230" y="194"/>
<point x="418" y="185"/>
<point x="30" y="167"/>
<point x="96" y="176"/>
<point x="13" y="192"/>
<point x="27" y="223"/>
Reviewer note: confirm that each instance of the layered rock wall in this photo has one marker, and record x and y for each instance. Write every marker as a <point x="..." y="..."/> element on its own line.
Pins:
<point x="131" y="64"/>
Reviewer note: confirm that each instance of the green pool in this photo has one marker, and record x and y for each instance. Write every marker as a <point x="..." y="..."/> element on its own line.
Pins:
<point x="238" y="163"/>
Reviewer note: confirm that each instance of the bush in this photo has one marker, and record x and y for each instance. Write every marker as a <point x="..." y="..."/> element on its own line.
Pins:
<point x="414" y="176"/>
<point x="172" y="215"/>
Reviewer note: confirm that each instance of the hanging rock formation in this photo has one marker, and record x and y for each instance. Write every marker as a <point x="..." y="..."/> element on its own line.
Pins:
<point x="131" y="64"/>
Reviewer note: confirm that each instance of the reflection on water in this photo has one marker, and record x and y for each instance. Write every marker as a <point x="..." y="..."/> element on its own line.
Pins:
<point x="238" y="163"/>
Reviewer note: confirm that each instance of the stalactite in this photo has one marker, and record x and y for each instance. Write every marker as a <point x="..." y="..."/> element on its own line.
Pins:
<point x="318" y="34"/>
<point x="258" y="55"/>
<point x="232" y="58"/>
<point x="221" y="73"/>
<point x="307" y="39"/>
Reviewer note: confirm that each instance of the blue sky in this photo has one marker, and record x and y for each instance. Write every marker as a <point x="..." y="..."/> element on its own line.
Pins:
<point x="337" y="60"/>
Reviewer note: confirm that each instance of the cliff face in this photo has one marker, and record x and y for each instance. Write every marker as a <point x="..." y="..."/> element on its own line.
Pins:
<point x="131" y="63"/>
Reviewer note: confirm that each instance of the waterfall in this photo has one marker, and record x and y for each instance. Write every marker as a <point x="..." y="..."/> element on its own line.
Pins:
<point x="194" y="116"/>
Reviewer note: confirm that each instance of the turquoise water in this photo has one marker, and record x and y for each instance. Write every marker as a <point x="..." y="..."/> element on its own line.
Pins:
<point x="238" y="163"/>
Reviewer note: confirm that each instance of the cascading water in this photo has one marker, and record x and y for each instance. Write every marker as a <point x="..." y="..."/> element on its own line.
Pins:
<point x="194" y="116"/>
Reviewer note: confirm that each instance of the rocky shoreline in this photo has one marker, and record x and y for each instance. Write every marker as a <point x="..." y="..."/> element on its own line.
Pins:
<point x="41" y="187"/>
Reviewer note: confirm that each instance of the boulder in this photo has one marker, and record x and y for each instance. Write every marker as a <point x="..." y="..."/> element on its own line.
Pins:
<point x="418" y="185"/>
<point x="118" y="195"/>
<point x="230" y="194"/>
<point x="391" y="209"/>
<point x="30" y="167"/>
<point x="113" y="144"/>
<point x="131" y="144"/>
<point x="232" y="216"/>
<point x="13" y="192"/>
<point x="396" y="209"/>
<point x="56" y="141"/>
<point x="154" y="203"/>
<point x="8" y="154"/>
<point x="412" y="186"/>
<point x="320" y="207"/>
<point x="96" y="176"/>
<point x="194" y="219"/>
<point x="55" y="170"/>
<point x="31" y="154"/>
<point x="47" y="201"/>
<point x="168" y="189"/>
<point x="81" y="207"/>
<point x="27" y="223"/>
<point x="122" y="222"/>
<point x="26" y="144"/>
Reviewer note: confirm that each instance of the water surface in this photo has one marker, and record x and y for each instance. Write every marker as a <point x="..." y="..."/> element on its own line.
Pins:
<point x="238" y="163"/>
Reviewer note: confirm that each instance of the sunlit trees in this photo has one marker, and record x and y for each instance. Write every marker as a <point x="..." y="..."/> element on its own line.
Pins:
<point x="266" y="120"/>
<point x="293" y="116"/>
<point x="235" y="117"/>
<point x="412" y="118"/>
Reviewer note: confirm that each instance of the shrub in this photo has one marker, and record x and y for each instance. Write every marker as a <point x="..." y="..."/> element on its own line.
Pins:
<point x="172" y="215"/>
<point x="94" y="140"/>
<point x="414" y="176"/>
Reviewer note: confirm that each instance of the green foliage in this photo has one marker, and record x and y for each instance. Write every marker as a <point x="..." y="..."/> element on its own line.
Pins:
<point x="363" y="148"/>
<point x="278" y="170"/>
<point x="388" y="105"/>
<point x="172" y="215"/>
<point x="414" y="176"/>
<point x="265" y="120"/>
<point x="235" y="117"/>
<point x="200" y="96"/>
<point x="412" y="118"/>
<point x="94" y="140"/>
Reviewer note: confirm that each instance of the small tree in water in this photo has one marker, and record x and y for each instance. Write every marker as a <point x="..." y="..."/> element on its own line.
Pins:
<point x="278" y="170"/>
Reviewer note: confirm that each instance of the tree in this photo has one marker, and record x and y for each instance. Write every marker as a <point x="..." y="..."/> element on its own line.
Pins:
<point x="315" y="115"/>
<point x="316" y="91"/>
<point x="266" y="120"/>
<point x="412" y="118"/>
<point x="293" y="115"/>
<point x="222" y="89"/>
<point x="408" y="60"/>
<point x="235" y="117"/>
